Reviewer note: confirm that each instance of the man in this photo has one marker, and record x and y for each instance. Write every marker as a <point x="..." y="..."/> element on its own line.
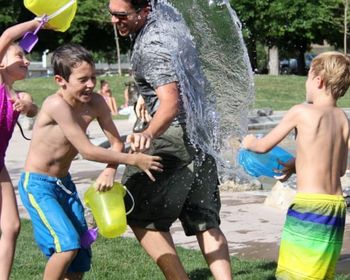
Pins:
<point x="188" y="188"/>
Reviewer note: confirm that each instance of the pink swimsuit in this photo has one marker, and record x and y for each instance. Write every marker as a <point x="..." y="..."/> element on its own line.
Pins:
<point x="8" y="119"/>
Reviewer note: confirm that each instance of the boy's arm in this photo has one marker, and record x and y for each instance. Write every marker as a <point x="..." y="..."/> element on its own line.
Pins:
<point x="106" y="179"/>
<point x="58" y="110"/>
<point x="276" y="135"/>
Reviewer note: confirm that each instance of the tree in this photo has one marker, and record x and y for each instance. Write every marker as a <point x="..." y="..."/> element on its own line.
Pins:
<point x="291" y="25"/>
<point x="346" y="6"/>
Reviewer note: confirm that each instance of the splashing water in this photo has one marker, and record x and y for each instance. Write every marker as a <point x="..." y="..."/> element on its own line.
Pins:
<point x="216" y="81"/>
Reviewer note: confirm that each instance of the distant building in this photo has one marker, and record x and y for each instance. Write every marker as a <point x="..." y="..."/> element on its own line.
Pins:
<point x="43" y="68"/>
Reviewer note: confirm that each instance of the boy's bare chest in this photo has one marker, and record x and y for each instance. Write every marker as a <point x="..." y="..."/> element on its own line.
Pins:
<point x="84" y="116"/>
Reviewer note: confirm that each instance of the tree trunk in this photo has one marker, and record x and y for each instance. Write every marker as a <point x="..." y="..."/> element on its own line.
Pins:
<point x="301" y="69"/>
<point x="346" y="6"/>
<point x="273" y="61"/>
<point x="251" y="46"/>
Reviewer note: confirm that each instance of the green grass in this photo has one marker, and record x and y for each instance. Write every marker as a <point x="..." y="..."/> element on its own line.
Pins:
<point x="124" y="259"/>
<point x="275" y="92"/>
<point x="282" y="92"/>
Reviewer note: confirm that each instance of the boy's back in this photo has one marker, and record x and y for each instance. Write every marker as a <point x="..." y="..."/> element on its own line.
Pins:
<point x="322" y="148"/>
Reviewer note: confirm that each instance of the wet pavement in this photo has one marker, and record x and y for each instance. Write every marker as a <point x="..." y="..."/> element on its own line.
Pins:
<point x="252" y="229"/>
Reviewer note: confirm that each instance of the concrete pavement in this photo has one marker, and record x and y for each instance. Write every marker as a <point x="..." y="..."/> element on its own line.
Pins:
<point x="253" y="229"/>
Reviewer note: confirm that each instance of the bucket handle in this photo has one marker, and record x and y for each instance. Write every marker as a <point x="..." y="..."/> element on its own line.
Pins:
<point x="132" y="199"/>
<point x="62" y="9"/>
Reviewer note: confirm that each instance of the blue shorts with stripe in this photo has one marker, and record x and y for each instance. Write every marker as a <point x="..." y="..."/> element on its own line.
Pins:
<point x="57" y="216"/>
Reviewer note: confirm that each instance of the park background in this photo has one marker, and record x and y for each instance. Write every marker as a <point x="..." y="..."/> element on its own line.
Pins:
<point x="274" y="30"/>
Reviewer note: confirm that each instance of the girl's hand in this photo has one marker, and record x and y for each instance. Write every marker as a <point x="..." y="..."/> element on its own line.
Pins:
<point x="21" y="105"/>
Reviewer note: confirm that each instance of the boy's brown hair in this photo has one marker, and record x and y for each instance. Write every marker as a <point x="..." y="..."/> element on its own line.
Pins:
<point x="334" y="68"/>
<point x="67" y="57"/>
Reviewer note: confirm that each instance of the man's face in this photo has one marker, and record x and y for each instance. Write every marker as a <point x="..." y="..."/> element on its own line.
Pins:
<point x="126" y="18"/>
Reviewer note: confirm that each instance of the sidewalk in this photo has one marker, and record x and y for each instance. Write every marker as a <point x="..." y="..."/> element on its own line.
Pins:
<point x="252" y="229"/>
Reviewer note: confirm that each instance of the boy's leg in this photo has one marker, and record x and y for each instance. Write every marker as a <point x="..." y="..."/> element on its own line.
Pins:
<point x="214" y="248"/>
<point x="58" y="220"/>
<point x="9" y="224"/>
<point x="160" y="246"/>
<point x="58" y="264"/>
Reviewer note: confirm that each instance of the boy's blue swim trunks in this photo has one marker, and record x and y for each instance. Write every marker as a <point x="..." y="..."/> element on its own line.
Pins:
<point x="57" y="216"/>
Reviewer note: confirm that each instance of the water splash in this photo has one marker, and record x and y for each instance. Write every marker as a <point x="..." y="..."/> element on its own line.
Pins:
<point x="217" y="85"/>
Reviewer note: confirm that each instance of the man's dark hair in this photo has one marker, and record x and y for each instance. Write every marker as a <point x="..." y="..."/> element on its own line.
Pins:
<point x="67" y="57"/>
<point x="139" y="4"/>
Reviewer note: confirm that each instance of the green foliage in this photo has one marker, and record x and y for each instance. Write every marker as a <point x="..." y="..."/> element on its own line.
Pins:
<point x="290" y="25"/>
<point x="286" y="24"/>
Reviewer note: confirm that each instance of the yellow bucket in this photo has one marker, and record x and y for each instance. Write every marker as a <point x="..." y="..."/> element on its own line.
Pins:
<point x="60" y="12"/>
<point x="108" y="209"/>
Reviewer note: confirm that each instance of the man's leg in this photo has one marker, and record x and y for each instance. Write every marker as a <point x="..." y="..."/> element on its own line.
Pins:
<point x="214" y="248"/>
<point x="160" y="246"/>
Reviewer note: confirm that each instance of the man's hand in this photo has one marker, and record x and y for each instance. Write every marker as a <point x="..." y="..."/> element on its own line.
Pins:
<point x="141" y="111"/>
<point x="139" y="142"/>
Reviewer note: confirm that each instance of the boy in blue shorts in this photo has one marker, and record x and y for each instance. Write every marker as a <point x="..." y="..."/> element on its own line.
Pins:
<point x="46" y="188"/>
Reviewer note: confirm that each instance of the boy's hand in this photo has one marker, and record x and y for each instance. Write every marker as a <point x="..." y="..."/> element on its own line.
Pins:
<point x="105" y="180"/>
<point x="147" y="163"/>
<point x="248" y="141"/>
<point x="287" y="170"/>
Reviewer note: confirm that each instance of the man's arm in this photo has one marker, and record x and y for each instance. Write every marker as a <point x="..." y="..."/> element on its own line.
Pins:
<point x="169" y="97"/>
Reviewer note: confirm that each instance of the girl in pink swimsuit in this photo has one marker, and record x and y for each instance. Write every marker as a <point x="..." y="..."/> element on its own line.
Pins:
<point x="13" y="67"/>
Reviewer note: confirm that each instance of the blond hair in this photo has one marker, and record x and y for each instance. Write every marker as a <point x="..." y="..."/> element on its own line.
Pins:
<point x="334" y="68"/>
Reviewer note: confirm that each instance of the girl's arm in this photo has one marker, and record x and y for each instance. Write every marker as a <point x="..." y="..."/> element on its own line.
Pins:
<point x="15" y="32"/>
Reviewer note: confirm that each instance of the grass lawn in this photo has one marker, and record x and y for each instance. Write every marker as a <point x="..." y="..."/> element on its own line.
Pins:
<point x="275" y="92"/>
<point x="282" y="92"/>
<point x="124" y="259"/>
